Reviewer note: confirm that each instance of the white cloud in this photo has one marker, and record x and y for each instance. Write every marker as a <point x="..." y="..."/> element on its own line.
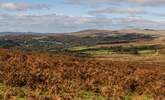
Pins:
<point x="148" y="2"/>
<point x="135" y="2"/>
<point x="136" y="10"/>
<point x="21" y="6"/>
<point x="61" y="23"/>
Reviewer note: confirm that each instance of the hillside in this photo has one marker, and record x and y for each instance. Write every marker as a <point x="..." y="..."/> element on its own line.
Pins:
<point x="145" y="31"/>
<point x="61" y="42"/>
<point x="36" y="76"/>
<point x="92" y="33"/>
<point x="84" y="65"/>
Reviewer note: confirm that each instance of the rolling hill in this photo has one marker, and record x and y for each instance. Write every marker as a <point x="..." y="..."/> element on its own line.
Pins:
<point x="84" y="65"/>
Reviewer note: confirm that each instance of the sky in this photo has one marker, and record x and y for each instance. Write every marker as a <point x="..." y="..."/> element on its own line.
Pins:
<point x="58" y="16"/>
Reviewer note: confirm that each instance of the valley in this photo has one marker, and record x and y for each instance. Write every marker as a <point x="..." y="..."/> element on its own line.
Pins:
<point x="85" y="65"/>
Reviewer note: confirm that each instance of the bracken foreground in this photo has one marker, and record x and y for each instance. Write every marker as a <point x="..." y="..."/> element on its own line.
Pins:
<point x="36" y="76"/>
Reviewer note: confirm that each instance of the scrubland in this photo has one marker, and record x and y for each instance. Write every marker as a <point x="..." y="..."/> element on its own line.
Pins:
<point x="43" y="76"/>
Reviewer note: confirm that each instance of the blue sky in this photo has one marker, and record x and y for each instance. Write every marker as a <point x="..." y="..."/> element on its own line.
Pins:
<point x="74" y="15"/>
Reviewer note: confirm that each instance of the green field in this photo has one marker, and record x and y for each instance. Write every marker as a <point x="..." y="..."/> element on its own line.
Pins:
<point x="93" y="50"/>
<point x="78" y="48"/>
<point x="100" y="52"/>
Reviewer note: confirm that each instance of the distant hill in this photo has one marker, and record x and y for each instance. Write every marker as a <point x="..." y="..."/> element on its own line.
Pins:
<point x="96" y="32"/>
<point x="92" y="32"/>
<point x="104" y="33"/>
<point x="17" y="33"/>
<point x="144" y="31"/>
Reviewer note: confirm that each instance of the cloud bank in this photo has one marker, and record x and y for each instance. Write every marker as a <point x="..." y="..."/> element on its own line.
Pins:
<point x="133" y="2"/>
<point x="61" y="23"/>
<point x="21" y="6"/>
<point x="97" y="14"/>
<point x="118" y="11"/>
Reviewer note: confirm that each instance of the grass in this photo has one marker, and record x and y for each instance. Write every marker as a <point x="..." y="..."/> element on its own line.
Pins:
<point x="21" y="98"/>
<point x="78" y="48"/>
<point x="135" y="97"/>
<point x="89" y="95"/>
<point x="3" y="88"/>
<point x="109" y="52"/>
<point x="99" y="52"/>
<point x="20" y="92"/>
<point x="147" y="52"/>
<point x="91" y="50"/>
